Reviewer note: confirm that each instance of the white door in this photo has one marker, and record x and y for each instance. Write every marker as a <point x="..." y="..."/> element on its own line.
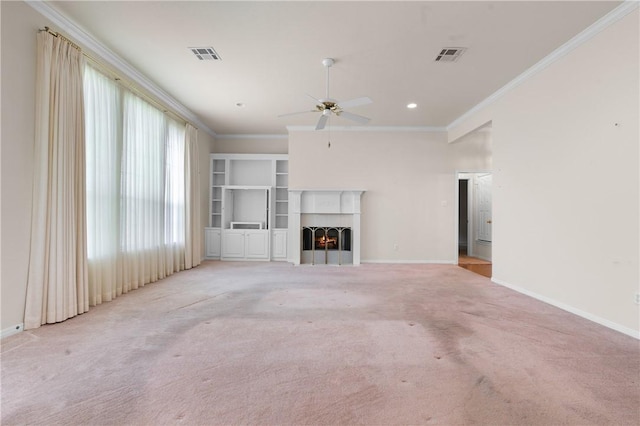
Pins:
<point x="233" y="244"/>
<point x="212" y="242"/>
<point x="257" y="244"/>
<point x="279" y="244"/>
<point x="483" y="199"/>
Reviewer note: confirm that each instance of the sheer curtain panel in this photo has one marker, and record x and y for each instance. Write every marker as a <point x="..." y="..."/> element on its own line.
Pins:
<point x="57" y="287"/>
<point x="174" y="226"/>
<point x="193" y="248"/>
<point x="103" y="126"/>
<point x="135" y="190"/>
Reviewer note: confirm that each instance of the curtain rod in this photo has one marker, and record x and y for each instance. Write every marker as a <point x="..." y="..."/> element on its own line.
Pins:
<point x="124" y="83"/>
<point x="55" y="34"/>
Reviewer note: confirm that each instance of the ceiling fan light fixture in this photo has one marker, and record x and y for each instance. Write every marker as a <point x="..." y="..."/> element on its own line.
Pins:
<point x="327" y="105"/>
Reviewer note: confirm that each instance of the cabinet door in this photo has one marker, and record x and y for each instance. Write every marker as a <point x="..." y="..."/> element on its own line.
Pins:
<point x="279" y="245"/>
<point x="212" y="242"/>
<point x="233" y="244"/>
<point x="257" y="244"/>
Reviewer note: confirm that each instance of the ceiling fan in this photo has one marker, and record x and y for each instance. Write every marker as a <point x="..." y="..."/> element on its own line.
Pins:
<point x="328" y="106"/>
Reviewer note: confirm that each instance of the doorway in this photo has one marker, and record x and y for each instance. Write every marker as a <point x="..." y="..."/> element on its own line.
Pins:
<point x="474" y="222"/>
<point x="463" y="216"/>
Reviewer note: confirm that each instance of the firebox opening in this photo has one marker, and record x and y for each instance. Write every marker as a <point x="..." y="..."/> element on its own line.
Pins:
<point x="326" y="245"/>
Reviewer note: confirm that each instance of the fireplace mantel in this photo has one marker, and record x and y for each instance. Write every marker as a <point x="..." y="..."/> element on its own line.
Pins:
<point x="319" y="202"/>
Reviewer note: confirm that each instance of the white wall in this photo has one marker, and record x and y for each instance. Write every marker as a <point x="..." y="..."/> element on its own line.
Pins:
<point x="565" y="183"/>
<point x="409" y="207"/>
<point x="251" y="145"/>
<point x="20" y="23"/>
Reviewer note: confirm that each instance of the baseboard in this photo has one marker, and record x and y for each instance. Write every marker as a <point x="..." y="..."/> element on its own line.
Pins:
<point x="18" y="328"/>
<point x="586" y="315"/>
<point x="396" y="261"/>
<point x="480" y="257"/>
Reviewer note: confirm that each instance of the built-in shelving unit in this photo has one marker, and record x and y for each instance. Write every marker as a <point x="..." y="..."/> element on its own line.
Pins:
<point x="282" y="194"/>
<point x="218" y="181"/>
<point x="248" y="210"/>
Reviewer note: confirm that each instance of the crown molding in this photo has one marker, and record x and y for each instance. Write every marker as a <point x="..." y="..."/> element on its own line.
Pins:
<point x="81" y="36"/>
<point x="610" y="18"/>
<point x="428" y="129"/>
<point x="252" y="136"/>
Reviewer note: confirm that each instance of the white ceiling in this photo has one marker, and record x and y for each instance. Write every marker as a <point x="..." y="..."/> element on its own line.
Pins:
<point x="272" y="51"/>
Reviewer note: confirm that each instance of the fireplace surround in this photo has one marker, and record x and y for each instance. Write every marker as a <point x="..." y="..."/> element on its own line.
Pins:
<point x="325" y="226"/>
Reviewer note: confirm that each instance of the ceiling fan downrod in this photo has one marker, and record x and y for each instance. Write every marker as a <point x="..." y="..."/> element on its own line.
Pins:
<point x="328" y="63"/>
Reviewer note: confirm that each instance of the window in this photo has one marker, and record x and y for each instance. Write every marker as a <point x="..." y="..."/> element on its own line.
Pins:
<point x="135" y="183"/>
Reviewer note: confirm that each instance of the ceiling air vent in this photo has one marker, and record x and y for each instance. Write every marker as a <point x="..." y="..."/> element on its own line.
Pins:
<point x="450" y="54"/>
<point x="205" y="53"/>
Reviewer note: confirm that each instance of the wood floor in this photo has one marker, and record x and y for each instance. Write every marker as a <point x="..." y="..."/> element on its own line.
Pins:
<point x="473" y="264"/>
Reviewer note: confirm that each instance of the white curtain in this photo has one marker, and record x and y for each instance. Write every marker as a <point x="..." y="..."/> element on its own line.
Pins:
<point x="103" y="124"/>
<point x="193" y="249"/>
<point x="175" y="212"/>
<point x="136" y="179"/>
<point x="142" y="193"/>
<point x="57" y="287"/>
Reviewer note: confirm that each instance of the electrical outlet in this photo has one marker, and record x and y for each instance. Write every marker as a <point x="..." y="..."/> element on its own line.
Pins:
<point x="637" y="298"/>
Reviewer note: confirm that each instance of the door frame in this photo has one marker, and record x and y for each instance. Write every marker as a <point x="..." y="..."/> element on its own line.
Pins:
<point x="470" y="193"/>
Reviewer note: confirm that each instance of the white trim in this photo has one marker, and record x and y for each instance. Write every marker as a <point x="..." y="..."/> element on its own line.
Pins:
<point x="252" y="136"/>
<point x="18" y="328"/>
<point x="586" y="315"/>
<point x="84" y="38"/>
<point x="610" y="18"/>
<point x="216" y="156"/>
<point x="429" y="129"/>
<point x="410" y="262"/>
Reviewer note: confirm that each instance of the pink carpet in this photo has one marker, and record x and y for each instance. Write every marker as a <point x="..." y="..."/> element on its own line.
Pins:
<point x="269" y="343"/>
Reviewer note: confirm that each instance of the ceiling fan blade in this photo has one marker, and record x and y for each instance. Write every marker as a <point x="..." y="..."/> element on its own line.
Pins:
<point x="314" y="98"/>
<point x="299" y="112"/>
<point x="322" y="121"/>
<point x="353" y="117"/>
<point x="365" y="100"/>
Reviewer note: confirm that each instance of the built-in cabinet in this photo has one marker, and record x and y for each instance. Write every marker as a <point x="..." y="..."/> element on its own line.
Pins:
<point x="212" y="239"/>
<point x="248" y="207"/>
<point x="280" y="242"/>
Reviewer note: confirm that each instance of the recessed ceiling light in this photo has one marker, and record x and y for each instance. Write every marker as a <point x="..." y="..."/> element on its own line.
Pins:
<point x="412" y="105"/>
<point x="240" y="105"/>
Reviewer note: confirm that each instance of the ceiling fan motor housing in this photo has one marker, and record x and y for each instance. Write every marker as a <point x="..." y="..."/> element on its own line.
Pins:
<point x="327" y="62"/>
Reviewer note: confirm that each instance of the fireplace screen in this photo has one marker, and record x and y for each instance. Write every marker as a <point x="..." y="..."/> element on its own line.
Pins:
<point x="326" y="245"/>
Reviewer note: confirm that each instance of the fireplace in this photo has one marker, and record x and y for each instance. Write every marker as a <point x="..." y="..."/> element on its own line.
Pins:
<point x="325" y="226"/>
<point x="326" y="245"/>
